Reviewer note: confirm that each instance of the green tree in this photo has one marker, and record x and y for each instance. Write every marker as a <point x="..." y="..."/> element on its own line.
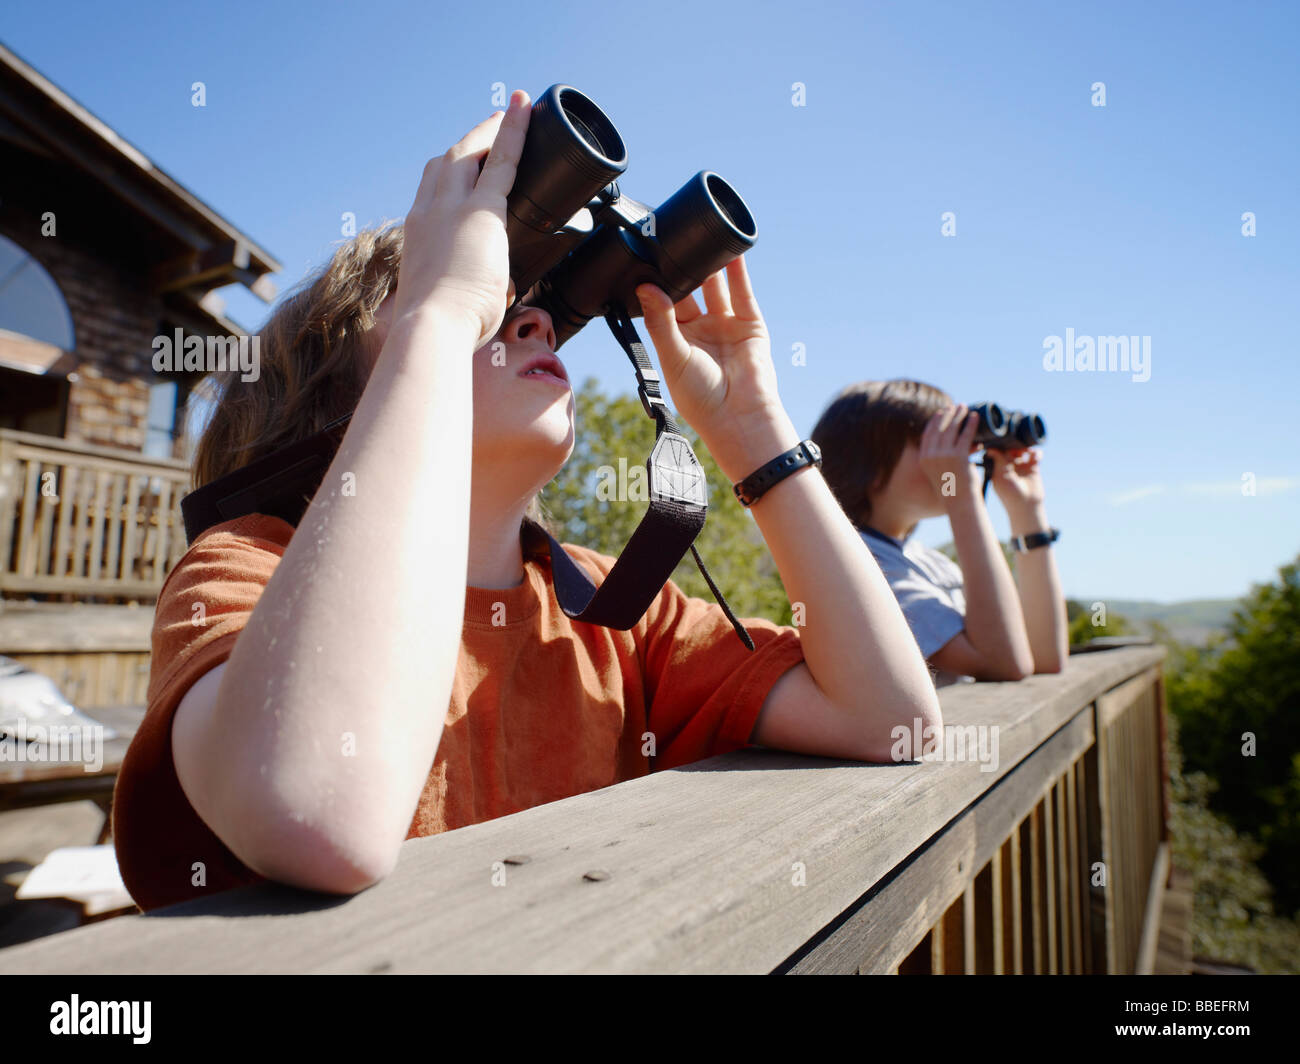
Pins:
<point x="1082" y="630"/>
<point x="1232" y="908"/>
<point x="599" y="497"/>
<point x="1238" y="701"/>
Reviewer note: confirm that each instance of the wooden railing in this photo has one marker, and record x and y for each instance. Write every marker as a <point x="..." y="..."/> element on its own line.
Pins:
<point x="98" y="655"/>
<point x="1044" y="850"/>
<point x="84" y="520"/>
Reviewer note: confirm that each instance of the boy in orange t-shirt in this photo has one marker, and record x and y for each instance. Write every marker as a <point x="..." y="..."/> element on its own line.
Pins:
<point x="398" y="665"/>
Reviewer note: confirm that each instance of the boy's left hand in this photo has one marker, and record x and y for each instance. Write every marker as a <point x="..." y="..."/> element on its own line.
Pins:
<point x="1017" y="480"/>
<point x="718" y="368"/>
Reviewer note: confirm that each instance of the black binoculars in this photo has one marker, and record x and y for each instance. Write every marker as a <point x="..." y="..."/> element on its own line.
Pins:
<point x="1001" y="430"/>
<point x="578" y="247"/>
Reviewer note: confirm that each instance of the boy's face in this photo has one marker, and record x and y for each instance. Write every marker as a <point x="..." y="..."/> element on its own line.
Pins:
<point x="909" y="483"/>
<point x="523" y="401"/>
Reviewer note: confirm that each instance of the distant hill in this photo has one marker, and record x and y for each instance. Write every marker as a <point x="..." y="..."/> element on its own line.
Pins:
<point x="1193" y="621"/>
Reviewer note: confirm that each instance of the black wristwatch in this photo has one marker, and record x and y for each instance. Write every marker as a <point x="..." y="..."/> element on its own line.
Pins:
<point x="749" y="490"/>
<point x="1020" y="544"/>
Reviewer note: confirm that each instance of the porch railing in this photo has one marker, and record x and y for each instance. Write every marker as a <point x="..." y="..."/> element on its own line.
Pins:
<point x="1038" y="845"/>
<point x="85" y="520"/>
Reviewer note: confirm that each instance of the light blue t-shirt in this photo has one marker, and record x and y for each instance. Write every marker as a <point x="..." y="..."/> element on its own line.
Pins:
<point x="928" y="586"/>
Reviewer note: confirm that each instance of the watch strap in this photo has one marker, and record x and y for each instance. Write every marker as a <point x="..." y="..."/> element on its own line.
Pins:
<point x="751" y="489"/>
<point x="1021" y="544"/>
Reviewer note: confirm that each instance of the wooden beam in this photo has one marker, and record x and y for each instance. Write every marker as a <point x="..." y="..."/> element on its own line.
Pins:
<point x="212" y="267"/>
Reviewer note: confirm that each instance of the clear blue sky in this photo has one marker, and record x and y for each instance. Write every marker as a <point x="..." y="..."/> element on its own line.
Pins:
<point x="1117" y="220"/>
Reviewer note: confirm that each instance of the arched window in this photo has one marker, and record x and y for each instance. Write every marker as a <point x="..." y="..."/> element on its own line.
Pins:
<point x="30" y="302"/>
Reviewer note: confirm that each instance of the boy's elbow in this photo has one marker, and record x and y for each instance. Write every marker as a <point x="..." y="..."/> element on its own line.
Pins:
<point x="1001" y="672"/>
<point x="1019" y="670"/>
<point x="288" y="850"/>
<point x="916" y="716"/>
<point x="1012" y="668"/>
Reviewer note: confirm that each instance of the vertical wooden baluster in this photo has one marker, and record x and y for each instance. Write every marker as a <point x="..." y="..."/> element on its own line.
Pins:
<point x="968" y="922"/>
<point x="1162" y="737"/>
<point x="115" y="493"/>
<point x="1048" y="856"/>
<point x="97" y="526"/>
<point x="26" y="546"/>
<point x="9" y="480"/>
<point x="954" y="938"/>
<point x="180" y="546"/>
<point x="164" y="522"/>
<point x="81" y="524"/>
<point x="1031" y="880"/>
<point x="1064" y="908"/>
<point x="129" y="533"/>
<point x="1012" y="904"/>
<point x="988" y="919"/>
<point x="67" y="506"/>
<point x="1076" y="903"/>
<point x="1093" y="962"/>
<point x="49" y="503"/>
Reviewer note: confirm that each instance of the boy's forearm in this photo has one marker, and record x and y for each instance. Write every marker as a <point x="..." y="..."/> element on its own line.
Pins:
<point x="855" y="638"/>
<point x="336" y="686"/>
<point x="1041" y="597"/>
<point x="994" y="624"/>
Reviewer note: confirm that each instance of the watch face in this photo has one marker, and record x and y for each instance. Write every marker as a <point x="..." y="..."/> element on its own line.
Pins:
<point x="675" y="472"/>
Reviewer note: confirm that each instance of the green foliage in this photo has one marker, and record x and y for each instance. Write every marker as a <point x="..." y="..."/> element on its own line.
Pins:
<point x="586" y="505"/>
<point x="1244" y="687"/>
<point x="1232" y="911"/>
<point x="1082" y="630"/>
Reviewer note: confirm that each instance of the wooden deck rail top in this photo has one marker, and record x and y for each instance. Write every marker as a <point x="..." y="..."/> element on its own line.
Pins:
<point x="758" y="861"/>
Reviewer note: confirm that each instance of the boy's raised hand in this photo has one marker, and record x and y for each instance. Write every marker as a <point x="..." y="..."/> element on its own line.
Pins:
<point x="455" y="253"/>
<point x="1017" y="479"/>
<point x="945" y="449"/>
<point x="717" y="364"/>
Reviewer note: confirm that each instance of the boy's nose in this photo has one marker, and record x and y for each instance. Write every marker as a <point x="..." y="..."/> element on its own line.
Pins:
<point x="530" y="323"/>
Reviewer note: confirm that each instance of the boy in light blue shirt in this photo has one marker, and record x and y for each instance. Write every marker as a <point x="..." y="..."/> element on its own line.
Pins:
<point x="897" y="452"/>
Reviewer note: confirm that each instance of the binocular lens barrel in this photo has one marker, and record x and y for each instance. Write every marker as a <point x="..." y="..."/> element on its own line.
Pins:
<point x="704" y="225"/>
<point x="1000" y="430"/>
<point x="696" y="231"/>
<point x="577" y="254"/>
<point x="992" y="423"/>
<point x="571" y="152"/>
<point x="1027" y="429"/>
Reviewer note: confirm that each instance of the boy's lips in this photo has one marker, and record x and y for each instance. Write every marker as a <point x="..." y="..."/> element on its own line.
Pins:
<point x="544" y="365"/>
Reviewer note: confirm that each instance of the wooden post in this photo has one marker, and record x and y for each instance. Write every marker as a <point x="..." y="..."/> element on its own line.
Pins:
<point x="8" y="503"/>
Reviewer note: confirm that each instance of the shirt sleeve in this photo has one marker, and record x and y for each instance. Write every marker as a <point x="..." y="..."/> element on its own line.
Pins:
<point x="704" y="689"/>
<point x="928" y="608"/>
<point x="165" y="851"/>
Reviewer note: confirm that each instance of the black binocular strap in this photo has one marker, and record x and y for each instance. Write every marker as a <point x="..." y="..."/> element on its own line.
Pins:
<point x="987" y="464"/>
<point x="678" y="507"/>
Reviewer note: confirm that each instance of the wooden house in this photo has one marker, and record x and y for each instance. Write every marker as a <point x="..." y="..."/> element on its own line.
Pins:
<point x="101" y="252"/>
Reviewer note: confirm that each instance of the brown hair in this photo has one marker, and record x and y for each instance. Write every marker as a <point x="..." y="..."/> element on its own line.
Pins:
<point x="311" y="368"/>
<point x="862" y="435"/>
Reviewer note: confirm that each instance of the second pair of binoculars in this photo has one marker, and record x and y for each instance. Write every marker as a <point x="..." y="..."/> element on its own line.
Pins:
<point x="1007" y="430"/>
<point x="579" y="247"/>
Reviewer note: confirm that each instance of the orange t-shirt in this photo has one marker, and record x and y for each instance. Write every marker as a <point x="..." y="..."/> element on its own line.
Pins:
<point x="542" y="708"/>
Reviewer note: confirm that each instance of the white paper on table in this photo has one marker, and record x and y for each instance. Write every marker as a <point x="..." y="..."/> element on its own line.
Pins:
<point x="87" y="874"/>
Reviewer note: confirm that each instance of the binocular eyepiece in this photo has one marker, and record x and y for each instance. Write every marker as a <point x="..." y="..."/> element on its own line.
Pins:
<point x="1001" y="430"/>
<point x="578" y="246"/>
